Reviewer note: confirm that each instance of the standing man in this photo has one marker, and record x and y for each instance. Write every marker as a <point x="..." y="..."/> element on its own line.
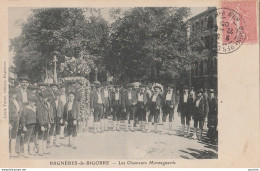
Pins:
<point x="58" y="110"/>
<point x="107" y="97"/>
<point x="212" y="116"/>
<point x="64" y="100"/>
<point x="199" y="115"/>
<point x="116" y="104"/>
<point x="142" y="102"/>
<point x="43" y="121"/>
<point x="22" y="98"/>
<point x="97" y="106"/>
<point x="168" y="108"/>
<point x="130" y="100"/>
<point x="28" y="124"/>
<point x="184" y="109"/>
<point x="71" y="117"/>
<point x="155" y="105"/>
<point x="14" y="119"/>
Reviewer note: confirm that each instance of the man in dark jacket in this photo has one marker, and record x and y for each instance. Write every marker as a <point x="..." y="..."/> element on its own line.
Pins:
<point x="170" y="102"/>
<point x="200" y="107"/>
<point x="97" y="105"/>
<point x="117" y="105"/>
<point x="71" y="116"/>
<point x="156" y="102"/>
<point x="184" y="109"/>
<point x="212" y="116"/>
<point x="130" y="100"/>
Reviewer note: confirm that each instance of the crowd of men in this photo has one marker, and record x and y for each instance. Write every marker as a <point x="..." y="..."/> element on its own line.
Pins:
<point x="40" y="115"/>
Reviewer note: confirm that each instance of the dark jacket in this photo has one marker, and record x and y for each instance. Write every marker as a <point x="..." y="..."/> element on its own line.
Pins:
<point x="186" y="108"/>
<point x="200" y="111"/>
<point x="28" y="116"/>
<point x="58" y="110"/>
<point x="159" y="100"/>
<point x="128" y="102"/>
<point x="115" y="102"/>
<point x="75" y="111"/>
<point x="13" y="112"/>
<point x="94" y="99"/>
<point x="44" y="114"/>
<point x="106" y="99"/>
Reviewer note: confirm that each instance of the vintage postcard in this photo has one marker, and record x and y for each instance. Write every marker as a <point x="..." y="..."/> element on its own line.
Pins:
<point x="129" y="84"/>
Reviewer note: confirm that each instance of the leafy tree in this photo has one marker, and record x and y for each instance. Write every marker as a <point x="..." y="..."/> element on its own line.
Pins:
<point x="64" y="32"/>
<point x="149" y="43"/>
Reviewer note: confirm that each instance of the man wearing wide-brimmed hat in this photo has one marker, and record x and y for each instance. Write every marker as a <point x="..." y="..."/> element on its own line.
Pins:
<point x="129" y="105"/>
<point x="170" y="102"/>
<point x="14" y="118"/>
<point x="155" y="106"/>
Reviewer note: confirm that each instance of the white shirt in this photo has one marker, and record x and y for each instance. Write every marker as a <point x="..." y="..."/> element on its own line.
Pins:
<point x="63" y="98"/>
<point x="198" y="102"/>
<point x="185" y="97"/>
<point x="140" y="97"/>
<point x="105" y="93"/>
<point x="154" y="97"/>
<point x="24" y="95"/>
<point x="99" y="98"/>
<point x="129" y="95"/>
<point x="70" y="105"/>
<point x="169" y="96"/>
<point x="56" y="102"/>
<point x="116" y="95"/>
<point x="16" y="105"/>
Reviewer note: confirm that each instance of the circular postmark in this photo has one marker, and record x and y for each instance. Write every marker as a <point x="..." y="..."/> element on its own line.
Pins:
<point x="230" y="30"/>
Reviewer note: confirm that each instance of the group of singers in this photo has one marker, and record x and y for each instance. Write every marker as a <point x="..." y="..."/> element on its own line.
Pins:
<point x="40" y="115"/>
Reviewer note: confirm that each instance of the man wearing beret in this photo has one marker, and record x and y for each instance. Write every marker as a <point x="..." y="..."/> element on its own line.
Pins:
<point x="14" y="119"/>
<point x="129" y="105"/>
<point x="28" y="123"/>
<point x="184" y="109"/>
<point x="22" y="98"/>
<point x="199" y="115"/>
<point x="156" y="102"/>
<point x="107" y="97"/>
<point x="71" y="116"/>
<point x="58" y="110"/>
<point x="142" y="106"/>
<point x="44" y="120"/>
<point x="212" y="116"/>
<point x="168" y="108"/>
<point x="97" y="106"/>
<point x="116" y="104"/>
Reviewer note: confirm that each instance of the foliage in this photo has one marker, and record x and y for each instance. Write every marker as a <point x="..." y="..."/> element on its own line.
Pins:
<point x="61" y="32"/>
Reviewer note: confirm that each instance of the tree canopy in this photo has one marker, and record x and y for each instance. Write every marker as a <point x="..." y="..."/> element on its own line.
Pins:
<point x="140" y="44"/>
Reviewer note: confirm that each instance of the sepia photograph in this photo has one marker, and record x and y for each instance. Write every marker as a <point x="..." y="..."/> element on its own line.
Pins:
<point x="129" y="84"/>
<point x="94" y="83"/>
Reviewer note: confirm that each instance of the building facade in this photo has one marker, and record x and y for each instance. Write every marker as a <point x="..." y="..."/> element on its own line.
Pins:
<point x="203" y="73"/>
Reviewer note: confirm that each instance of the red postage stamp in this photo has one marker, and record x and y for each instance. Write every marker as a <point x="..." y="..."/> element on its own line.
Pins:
<point x="248" y="13"/>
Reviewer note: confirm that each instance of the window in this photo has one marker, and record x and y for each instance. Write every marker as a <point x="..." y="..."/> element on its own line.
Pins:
<point x="210" y="22"/>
